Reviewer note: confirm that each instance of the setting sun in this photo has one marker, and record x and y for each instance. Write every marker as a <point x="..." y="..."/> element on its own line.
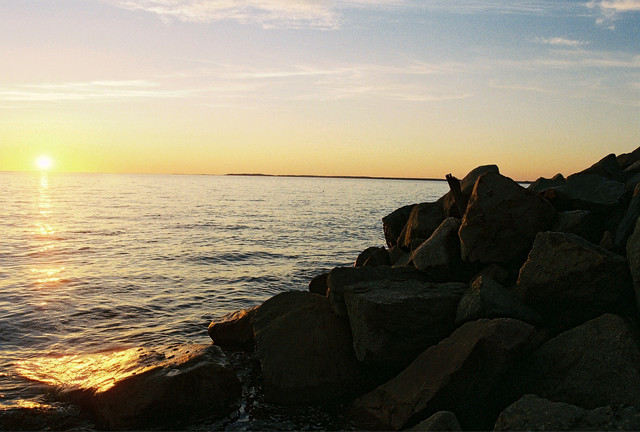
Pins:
<point x="44" y="162"/>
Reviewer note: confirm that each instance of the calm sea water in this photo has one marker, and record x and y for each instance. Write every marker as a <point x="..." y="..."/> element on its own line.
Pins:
<point x="95" y="263"/>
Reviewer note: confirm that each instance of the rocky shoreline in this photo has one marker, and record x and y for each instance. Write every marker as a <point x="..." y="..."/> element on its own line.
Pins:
<point x="496" y="307"/>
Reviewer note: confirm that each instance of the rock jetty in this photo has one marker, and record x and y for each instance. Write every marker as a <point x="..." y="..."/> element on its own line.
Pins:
<point x="496" y="307"/>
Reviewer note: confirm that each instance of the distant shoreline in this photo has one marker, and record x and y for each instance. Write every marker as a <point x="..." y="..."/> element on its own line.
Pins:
<point x="333" y="176"/>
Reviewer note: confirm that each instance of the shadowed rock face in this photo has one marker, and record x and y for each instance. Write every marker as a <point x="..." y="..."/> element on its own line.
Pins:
<point x="305" y="350"/>
<point x="501" y="220"/>
<point x="423" y="221"/>
<point x="633" y="258"/>
<point x="233" y="329"/>
<point x="439" y="255"/>
<point x="461" y="371"/>
<point x="394" y="223"/>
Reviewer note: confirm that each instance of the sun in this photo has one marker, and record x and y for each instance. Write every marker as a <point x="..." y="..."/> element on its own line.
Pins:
<point x="44" y="163"/>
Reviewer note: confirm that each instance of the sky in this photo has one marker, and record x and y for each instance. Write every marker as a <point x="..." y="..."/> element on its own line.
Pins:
<point x="396" y="88"/>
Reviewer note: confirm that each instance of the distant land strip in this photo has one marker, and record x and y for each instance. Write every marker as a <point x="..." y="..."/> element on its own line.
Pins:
<point x="334" y="176"/>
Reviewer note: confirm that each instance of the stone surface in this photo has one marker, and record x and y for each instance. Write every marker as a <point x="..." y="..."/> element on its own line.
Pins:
<point x="440" y="421"/>
<point x="466" y="187"/>
<point x="439" y="255"/>
<point x="586" y="192"/>
<point x="198" y="379"/>
<point x="394" y="223"/>
<point x="305" y="350"/>
<point x="533" y="413"/>
<point x="234" y="329"/>
<point x="542" y="184"/>
<point x="633" y="259"/>
<point x="607" y="167"/>
<point x="318" y="285"/>
<point x="501" y="220"/>
<point x="593" y="365"/>
<point x="463" y="370"/>
<point x="422" y="222"/>
<point x="627" y="159"/>
<point x="392" y="322"/>
<point x="341" y="277"/>
<point x="564" y="274"/>
<point x="628" y="222"/>
<point x="488" y="299"/>
<point x="583" y="223"/>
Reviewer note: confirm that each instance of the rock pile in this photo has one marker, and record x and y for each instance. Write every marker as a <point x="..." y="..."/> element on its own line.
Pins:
<point x="498" y="306"/>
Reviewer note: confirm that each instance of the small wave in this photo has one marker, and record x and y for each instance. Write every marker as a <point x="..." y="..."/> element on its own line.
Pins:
<point x="235" y="257"/>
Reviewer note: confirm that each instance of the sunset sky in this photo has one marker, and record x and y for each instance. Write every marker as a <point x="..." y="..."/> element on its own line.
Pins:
<point x="396" y="88"/>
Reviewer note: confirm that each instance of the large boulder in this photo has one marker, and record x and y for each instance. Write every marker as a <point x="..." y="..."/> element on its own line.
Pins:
<point x="423" y="221"/>
<point x="462" y="374"/>
<point x="392" y="322"/>
<point x="394" y="223"/>
<point x="466" y="187"/>
<point x="633" y="259"/>
<point x="305" y="350"/>
<point x="593" y="365"/>
<point x="586" y="192"/>
<point x="318" y="285"/>
<point x="542" y="184"/>
<point x="488" y="299"/>
<point x="341" y="277"/>
<point x="501" y="220"/>
<point x="373" y="256"/>
<point x="628" y="222"/>
<point x="233" y="329"/>
<point x="568" y="279"/>
<point x="607" y="167"/>
<point x="198" y="379"/>
<point x="625" y="160"/>
<point x="533" y="413"/>
<point x="583" y="223"/>
<point x="439" y="255"/>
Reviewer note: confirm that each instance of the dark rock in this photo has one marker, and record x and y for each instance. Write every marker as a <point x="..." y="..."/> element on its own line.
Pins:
<point x="501" y="220"/>
<point x="627" y="159"/>
<point x="543" y="184"/>
<point x="404" y="261"/>
<point x="462" y="373"/>
<point x="439" y="255"/>
<point x="632" y="182"/>
<point x="633" y="259"/>
<point x="583" y="223"/>
<point x="422" y="222"/>
<point x="593" y="365"/>
<point x="318" y="285"/>
<point x="396" y="254"/>
<point x="440" y="421"/>
<point x="341" y="277"/>
<point x="493" y="271"/>
<point x="305" y="351"/>
<point x="394" y="223"/>
<point x="586" y="192"/>
<point x="628" y="223"/>
<point x="608" y="241"/>
<point x="488" y="299"/>
<point x="233" y="329"/>
<point x="566" y="274"/>
<point x="466" y="187"/>
<point x="41" y="417"/>
<point x="198" y="379"/>
<point x="392" y="322"/>
<point x="533" y="413"/>
<point x="373" y="256"/>
<point x="632" y="169"/>
<point x="607" y="167"/>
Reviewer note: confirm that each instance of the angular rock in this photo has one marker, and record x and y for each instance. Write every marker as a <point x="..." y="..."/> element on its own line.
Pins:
<point x="392" y="322"/>
<point x="305" y="350"/>
<point x="463" y="370"/>
<point x="396" y="254"/>
<point x="567" y="277"/>
<point x="488" y="299"/>
<point x="394" y="223"/>
<point x="627" y="159"/>
<point x="607" y="167"/>
<point x="586" y="192"/>
<point x="593" y="365"/>
<point x="466" y="187"/>
<point x="439" y="255"/>
<point x="440" y="421"/>
<point x="533" y="413"/>
<point x="199" y="379"/>
<point x="318" y="285"/>
<point x="583" y="223"/>
<point x="341" y="277"/>
<point x="542" y="184"/>
<point x="493" y="271"/>
<point x="374" y="257"/>
<point x="422" y="222"/>
<point x="628" y="223"/>
<point x="501" y="220"/>
<point x="233" y="329"/>
<point x="633" y="259"/>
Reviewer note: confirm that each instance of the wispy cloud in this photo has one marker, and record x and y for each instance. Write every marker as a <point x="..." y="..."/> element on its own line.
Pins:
<point x="610" y="10"/>
<point x="559" y="41"/>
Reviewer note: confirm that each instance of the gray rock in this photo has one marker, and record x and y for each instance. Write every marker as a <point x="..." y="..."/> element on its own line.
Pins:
<point x="488" y="299"/>
<point x="394" y="223"/>
<point x="233" y="329"/>
<point x="586" y="192"/>
<point x="583" y="223"/>
<point x="633" y="259"/>
<point x="392" y="322"/>
<point x="501" y="220"/>
<point x="305" y="350"/>
<point x="440" y="421"/>
<point x="439" y="255"/>
<point x="466" y="187"/>
<point x="463" y="370"/>
<point x="422" y="222"/>
<point x="533" y="413"/>
<point x="593" y="365"/>
<point x="566" y="274"/>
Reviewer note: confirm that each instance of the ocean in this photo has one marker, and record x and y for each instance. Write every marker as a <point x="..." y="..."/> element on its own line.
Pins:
<point x="109" y="263"/>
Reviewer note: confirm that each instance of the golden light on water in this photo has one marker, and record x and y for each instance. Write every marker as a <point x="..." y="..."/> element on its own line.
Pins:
<point x="48" y="275"/>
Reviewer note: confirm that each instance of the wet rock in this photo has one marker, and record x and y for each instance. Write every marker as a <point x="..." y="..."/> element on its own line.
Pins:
<point x="593" y="365"/>
<point x="305" y="350"/>
<point x="392" y="322"/>
<point x="318" y="285"/>
<point x="466" y="187"/>
<point x="198" y="379"/>
<point x="394" y="223"/>
<point x="583" y="223"/>
<point x="233" y="329"/>
<point x="440" y="421"/>
<point x="439" y="255"/>
<point x="374" y="257"/>
<point x="566" y="277"/>
<point x="488" y="299"/>
<point x="422" y="222"/>
<point x="533" y="413"/>
<point x="463" y="370"/>
<point x="501" y="220"/>
<point x="341" y="277"/>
